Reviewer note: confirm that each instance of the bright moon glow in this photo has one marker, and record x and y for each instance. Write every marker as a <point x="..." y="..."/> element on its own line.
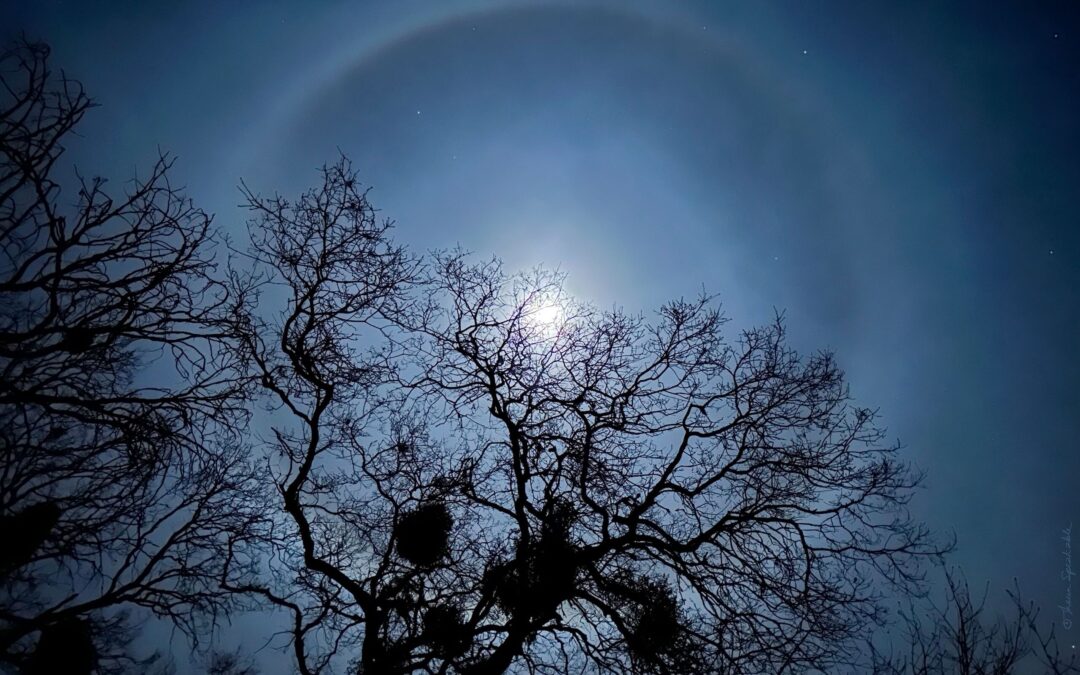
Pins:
<point x="547" y="316"/>
<point x="544" y="321"/>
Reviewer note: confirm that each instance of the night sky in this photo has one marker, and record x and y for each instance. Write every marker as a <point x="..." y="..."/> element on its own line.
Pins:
<point x="901" y="180"/>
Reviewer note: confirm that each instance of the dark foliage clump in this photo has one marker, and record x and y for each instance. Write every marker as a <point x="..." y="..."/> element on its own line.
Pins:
<point x="78" y="339"/>
<point x="542" y="575"/>
<point x="655" y="627"/>
<point x="423" y="535"/>
<point x="559" y="518"/>
<point x="64" y="647"/>
<point x="445" y="631"/>
<point x="383" y="659"/>
<point x="656" y="633"/>
<point x="23" y="533"/>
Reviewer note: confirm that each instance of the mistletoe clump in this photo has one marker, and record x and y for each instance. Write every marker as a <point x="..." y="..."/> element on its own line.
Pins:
<point x="24" y="532"/>
<point x="657" y="636"/>
<point x="446" y="632"/>
<point x="543" y="573"/>
<point x="64" y="647"/>
<point x="423" y="535"/>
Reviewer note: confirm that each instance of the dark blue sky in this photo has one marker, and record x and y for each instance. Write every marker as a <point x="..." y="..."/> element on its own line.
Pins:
<point x="901" y="179"/>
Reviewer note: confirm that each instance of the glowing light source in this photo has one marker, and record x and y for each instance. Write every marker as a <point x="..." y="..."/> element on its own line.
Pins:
<point x="548" y="315"/>
<point x="544" y="320"/>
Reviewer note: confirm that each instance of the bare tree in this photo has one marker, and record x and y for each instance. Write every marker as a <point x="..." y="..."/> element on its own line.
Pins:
<point x="478" y="473"/>
<point x="464" y="470"/>
<point x="340" y="276"/>
<point x="230" y="663"/>
<point x="954" y="638"/>
<point x="122" y="471"/>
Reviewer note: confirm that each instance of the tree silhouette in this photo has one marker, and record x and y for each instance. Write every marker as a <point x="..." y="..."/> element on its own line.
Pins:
<point x="230" y="663"/>
<point x="468" y="485"/>
<point x="123" y="476"/>
<point x="463" y="470"/>
<point x="953" y="637"/>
